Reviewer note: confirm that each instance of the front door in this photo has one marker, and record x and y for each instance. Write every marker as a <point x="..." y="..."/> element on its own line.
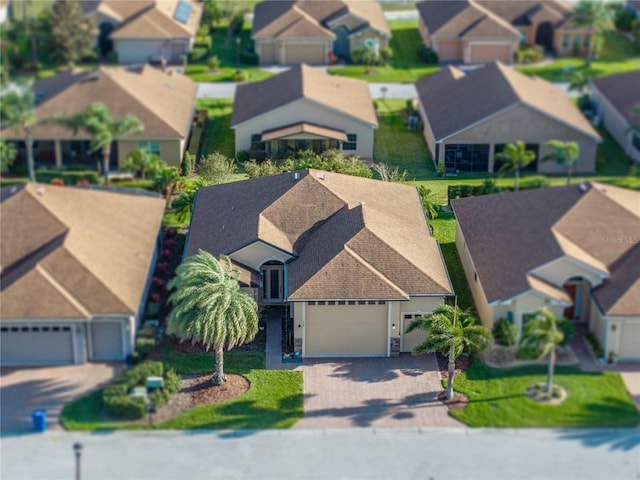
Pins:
<point x="273" y="284"/>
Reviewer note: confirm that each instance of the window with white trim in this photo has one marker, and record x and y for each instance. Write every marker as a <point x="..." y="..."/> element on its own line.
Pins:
<point x="351" y="143"/>
<point x="150" y="147"/>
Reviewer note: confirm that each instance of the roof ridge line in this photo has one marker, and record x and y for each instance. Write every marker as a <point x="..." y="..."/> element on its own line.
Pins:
<point x="373" y="270"/>
<point x="63" y="291"/>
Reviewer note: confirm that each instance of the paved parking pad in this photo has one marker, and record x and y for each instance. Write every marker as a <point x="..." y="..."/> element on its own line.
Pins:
<point x="398" y="392"/>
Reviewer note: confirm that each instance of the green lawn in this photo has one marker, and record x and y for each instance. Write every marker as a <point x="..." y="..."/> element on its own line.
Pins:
<point x="274" y="398"/>
<point x="201" y="73"/>
<point x="618" y="55"/>
<point x="218" y="136"/>
<point x="405" y="67"/>
<point x="498" y="399"/>
<point x="398" y="146"/>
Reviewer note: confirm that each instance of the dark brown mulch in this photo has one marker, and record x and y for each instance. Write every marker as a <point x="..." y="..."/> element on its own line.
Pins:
<point x="462" y="363"/>
<point x="458" y="402"/>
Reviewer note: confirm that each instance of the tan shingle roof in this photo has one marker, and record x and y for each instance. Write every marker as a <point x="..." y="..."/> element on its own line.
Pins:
<point x="522" y="12"/>
<point x="164" y="103"/>
<point x="304" y="127"/>
<point x="71" y="252"/>
<point x="509" y="235"/>
<point x="622" y="91"/>
<point x="452" y="102"/>
<point x="345" y="95"/>
<point x="309" y="18"/>
<point x="352" y="237"/>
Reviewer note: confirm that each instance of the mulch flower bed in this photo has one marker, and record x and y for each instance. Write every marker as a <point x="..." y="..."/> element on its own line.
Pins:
<point x="459" y="400"/>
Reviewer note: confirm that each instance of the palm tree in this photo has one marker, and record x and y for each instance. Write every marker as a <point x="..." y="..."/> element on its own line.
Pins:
<point x="594" y="16"/>
<point x="7" y="155"/>
<point x="209" y="307"/>
<point x="96" y="120"/>
<point x="18" y="111"/>
<point x="579" y="82"/>
<point x="564" y="153"/>
<point x="515" y="157"/>
<point x="430" y="202"/>
<point x="450" y="332"/>
<point x="544" y="333"/>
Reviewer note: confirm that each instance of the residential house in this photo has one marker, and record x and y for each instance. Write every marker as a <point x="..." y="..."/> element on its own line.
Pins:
<point x="304" y="108"/>
<point x="615" y="96"/>
<point x="634" y="6"/>
<point x="164" y="102"/>
<point x="574" y="250"/>
<point x="473" y="31"/>
<point x="468" y="118"/>
<point x="143" y="30"/>
<point x="307" y="31"/>
<point x="352" y="257"/>
<point x="4" y="11"/>
<point x="75" y="272"/>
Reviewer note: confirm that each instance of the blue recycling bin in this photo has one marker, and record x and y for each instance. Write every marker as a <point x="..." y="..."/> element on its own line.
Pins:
<point x="39" y="420"/>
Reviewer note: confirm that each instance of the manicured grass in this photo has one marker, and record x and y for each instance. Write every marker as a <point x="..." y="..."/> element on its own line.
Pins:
<point x="405" y="67"/>
<point x="274" y="398"/>
<point x="201" y="73"/>
<point x="396" y="145"/>
<point x="498" y="399"/>
<point x="618" y="55"/>
<point x="611" y="159"/>
<point x="218" y="137"/>
<point x="395" y="6"/>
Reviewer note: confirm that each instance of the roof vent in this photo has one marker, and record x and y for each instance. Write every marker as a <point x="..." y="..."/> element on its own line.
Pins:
<point x="13" y="190"/>
<point x="169" y="85"/>
<point x="40" y="191"/>
<point x="583" y="187"/>
<point x="361" y="203"/>
<point x="223" y="227"/>
<point x="600" y="188"/>
<point x="296" y="176"/>
<point x="320" y="175"/>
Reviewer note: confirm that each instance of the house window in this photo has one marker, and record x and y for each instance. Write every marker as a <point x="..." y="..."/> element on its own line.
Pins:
<point x="381" y="302"/>
<point x="322" y="303"/>
<point x="361" y="302"/>
<point x="352" y="302"/>
<point x="312" y="303"/>
<point x="331" y="302"/>
<point x="467" y="158"/>
<point x="256" y="142"/>
<point x="636" y="141"/>
<point x="351" y="143"/>
<point x="565" y="41"/>
<point x="150" y="147"/>
<point x="576" y="41"/>
<point x="341" y="302"/>
<point x="523" y="37"/>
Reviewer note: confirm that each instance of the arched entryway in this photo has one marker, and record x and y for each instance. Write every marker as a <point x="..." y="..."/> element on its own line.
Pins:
<point x="273" y="279"/>
<point x="578" y="289"/>
<point x="341" y="43"/>
<point x="544" y="35"/>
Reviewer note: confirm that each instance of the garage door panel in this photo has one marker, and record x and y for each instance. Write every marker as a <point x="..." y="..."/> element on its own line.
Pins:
<point x="629" y="341"/>
<point x="345" y="330"/>
<point x="449" y="50"/>
<point x="490" y="53"/>
<point x="305" y="53"/>
<point x="36" y="345"/>
<point x="267" y="53"/>
<point x="413" y="339"/>
<point x="107" y="340"/>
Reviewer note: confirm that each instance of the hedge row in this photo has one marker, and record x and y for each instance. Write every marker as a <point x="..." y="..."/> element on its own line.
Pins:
<point x="69" y="177"/>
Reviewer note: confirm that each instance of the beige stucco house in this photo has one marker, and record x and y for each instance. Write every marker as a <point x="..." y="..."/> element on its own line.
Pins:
<point x="574" y="250"/>
<point x="75" y="272"/>
<point x="353" y="258"/>
<point x="304" y="108"/>
<point x="164" y="102"/>
<point x="307" y="31"/>
<point x="144" y="30"/>
<point x="476" y="31"/>
<point x="468" y="118"/>
<point x="615" y="97"/>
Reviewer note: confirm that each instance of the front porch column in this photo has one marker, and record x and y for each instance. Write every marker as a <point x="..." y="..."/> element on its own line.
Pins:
<point x="57" y="146"/>
<point x="492" y="152"/>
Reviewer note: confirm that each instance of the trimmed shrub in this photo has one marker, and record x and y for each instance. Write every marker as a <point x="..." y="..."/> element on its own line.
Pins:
<point x="242" y="156"/>
<point x="213" y="63"/>
<point x="69" y="177"/>
<point x="527" y="353"/>
<point x="112" y="57"/>
<point x="595" y="345"/>
<point x="364" y="56"/>
<point x="172" y="382"/>
<point x="505" y="332"/>
<point x="568" y="329"/>
<point x="584" y="102"/>
<point x="528" y="54"/>
<point x="144" y="346"/>
<point x="187" y="164"/>
<point x="427" y="55"/>
<point x="240" y="76"/>
<point x="198" y="54"/>
<point x="386" y="54"/>
<point x="124" y="406"/>
<point x="249" y="58"/>
<point x="203" y="42"/>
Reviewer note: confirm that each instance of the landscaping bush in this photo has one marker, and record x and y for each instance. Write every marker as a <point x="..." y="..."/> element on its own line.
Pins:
<point x="172" y="381"/>
<point x="112" y="57"/>
<point x="505" y="332"/>
<point x="535" y="181"/>
<point x="526" y="54"/>
<point x="213" y="63"/>
<point x="249" y="58"/>
<point x="144" y="346"/>
<point x="568" y="329"/>
<point x="204" y="43"/>
<point x="124" y="406"/>
<point x="240" y="76"/>
<point x="242" y="156"/>
<point x="69" y="177"/>
<point x="427" y="55"/>
<point x="198" y="54"/>
<point x="365" y="56"/>
<point x="527" y="353"/>
<point x="584" y="102"/>
<point x="187" y="164"/>
<point x="595" y="345"/>
<point x="386" y="54"/>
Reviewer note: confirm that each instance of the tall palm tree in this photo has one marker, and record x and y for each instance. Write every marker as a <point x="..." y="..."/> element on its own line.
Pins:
<point x="96" y="120"/>
<point x="515" y="157"/>
<point x="18" y="111"/>
<point x="595" y="16"/>
<point x="450" y="332"/>
<point x="543" y="333"/>
<point x="564" y="153"/>
<point x="209" y="307"/>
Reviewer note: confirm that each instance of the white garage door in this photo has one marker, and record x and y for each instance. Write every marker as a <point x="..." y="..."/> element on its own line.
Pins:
<point x="107" y="340"/>
<point x="346" y="330"/>
<point x="491" y="53"/>
<point x="137" y="51"/>
<point x="305" y="53"/>
<point x="36" y="345"/>
<point x="630" y="341"/>
<point x="410" y="340"/>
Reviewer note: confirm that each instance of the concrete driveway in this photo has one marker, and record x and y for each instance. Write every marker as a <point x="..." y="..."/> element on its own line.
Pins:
<point x="23" y="390"/>
<point x="395" y="392"/>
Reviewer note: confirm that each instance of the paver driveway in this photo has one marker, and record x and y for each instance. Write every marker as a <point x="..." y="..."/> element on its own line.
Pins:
<point x="395" y="392"/>
<point x="23" y="390"/>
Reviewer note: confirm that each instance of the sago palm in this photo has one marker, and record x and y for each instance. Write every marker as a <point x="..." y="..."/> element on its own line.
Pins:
<point x="544" y="334"/>
<point x="564" y="154"/>
<point x="450" y="332"/>
<point x="209" y="307"/>
<point x="515" y="157"/>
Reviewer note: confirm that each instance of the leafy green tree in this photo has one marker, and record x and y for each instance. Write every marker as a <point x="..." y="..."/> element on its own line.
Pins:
<point x="544" y="333"/>
<point x="7" y="156"/>
<point x="165" y="180"/>
<point x="388" y="174"/>
<point x="430" y="202"/>
<point x="515" y="157"/>
<point x="212" y="13"/>
<point x="594" y="16"/>
<point x="564" y="153"/>
<point x="96" y="120"/>
<point x="217" y="168"/>
<point x="18" y="111"/>
<point x="209" y="307"/>
<point x="73" y="34"/>
<point x="579" y="82"/>
<point x="141" y="162"/>
<point x="450" y="332"/>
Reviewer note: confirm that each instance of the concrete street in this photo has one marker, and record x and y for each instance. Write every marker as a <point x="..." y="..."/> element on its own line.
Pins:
<point x="325" y="454"/>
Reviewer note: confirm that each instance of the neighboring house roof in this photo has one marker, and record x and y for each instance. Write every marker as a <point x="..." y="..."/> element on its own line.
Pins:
<point x="351" y="237"/>
<point x="463" y="19"/>
<point x="311" y="18"/>
<point x="345" y="95"/>
<point x="622" y="91"/>
<point x="145" y="19"/>
<point x="164" y="103"/>
<point x="525" y="12"/>
<point x="303" y="127"/>
<point x="510" y="235"/>
<point x="452" y="102"/>
<point x="79" y="252"/>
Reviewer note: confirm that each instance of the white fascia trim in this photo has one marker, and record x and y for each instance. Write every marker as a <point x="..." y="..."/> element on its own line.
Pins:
<point x="348" y="300"/>
<point x="510" y="300"/>
<point x="600" y="273"/>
